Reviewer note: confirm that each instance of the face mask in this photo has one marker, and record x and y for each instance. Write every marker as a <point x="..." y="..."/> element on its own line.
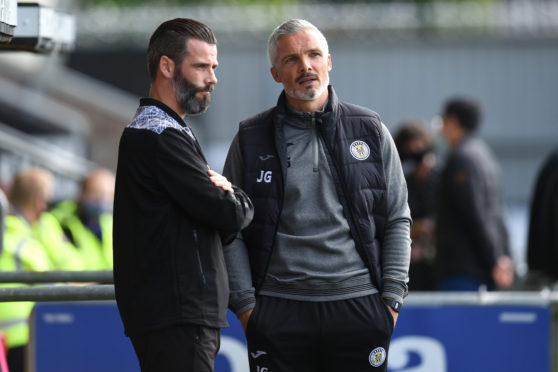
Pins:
<point x="442" y="146"/>
<point x="408" y="167"/>
<point x="91" y="211"/>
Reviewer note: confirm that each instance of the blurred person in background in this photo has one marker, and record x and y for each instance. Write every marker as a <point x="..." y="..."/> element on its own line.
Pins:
<point x="542" y="247"/>
<point x="172" y="213"/>
<point x="87" y="221"/>
<point x="415" y="146"/>
<point x="319" y="277"/>
<point x="472" y="244"/>
<point x="28" y="195"/>
<point x="62" y="254"/>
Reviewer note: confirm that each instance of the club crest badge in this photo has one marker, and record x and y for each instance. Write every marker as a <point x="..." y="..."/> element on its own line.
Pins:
<point x="360" y="150"/>
<point x="377" y="357"/>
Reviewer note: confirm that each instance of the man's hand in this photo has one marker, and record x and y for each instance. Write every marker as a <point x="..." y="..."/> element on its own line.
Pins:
<point x="393" y="314"/>
<point x="502" y="273"/>
<point x="244" y="317"/>
<point x="220" y="181"/>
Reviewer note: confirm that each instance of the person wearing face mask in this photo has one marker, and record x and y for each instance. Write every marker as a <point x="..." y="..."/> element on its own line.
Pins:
<point x="418" y="159"/>
<point x="87" y="222"/>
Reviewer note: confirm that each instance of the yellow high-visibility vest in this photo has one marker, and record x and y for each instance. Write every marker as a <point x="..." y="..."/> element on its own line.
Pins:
<point x="96" y="253"/>
<point x="61" y="253"/>
<point x="21" y="251"/>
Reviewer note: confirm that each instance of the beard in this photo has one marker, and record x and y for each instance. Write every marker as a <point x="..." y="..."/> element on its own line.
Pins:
<point x="186" y="91"/>
<point x="308" y="95"/>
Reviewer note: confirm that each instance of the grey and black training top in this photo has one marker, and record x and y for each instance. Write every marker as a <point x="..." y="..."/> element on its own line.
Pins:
<point x="314" y="256"/>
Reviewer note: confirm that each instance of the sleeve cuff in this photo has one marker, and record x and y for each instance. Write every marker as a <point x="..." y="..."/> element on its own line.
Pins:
<point x="241" y="302"/>
<point x="394" y="290"/>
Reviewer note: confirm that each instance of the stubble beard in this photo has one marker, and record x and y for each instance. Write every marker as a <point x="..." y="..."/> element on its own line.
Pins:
<point x="308" y="95"/>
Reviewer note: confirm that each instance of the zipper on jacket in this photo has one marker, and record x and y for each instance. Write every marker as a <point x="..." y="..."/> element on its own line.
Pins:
<point x="197" y="249"/>
<point x="315" y="150"/>
<point x="258" y="286"/>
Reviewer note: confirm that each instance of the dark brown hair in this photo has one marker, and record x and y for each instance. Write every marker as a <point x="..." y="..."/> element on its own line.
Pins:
<point x="466" y="110"/>
<point x="409" y="131"/>
<point x="170" y="39"/>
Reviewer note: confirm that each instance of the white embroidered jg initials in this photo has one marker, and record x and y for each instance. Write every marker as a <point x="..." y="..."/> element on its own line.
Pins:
<point x="265" y="176"/>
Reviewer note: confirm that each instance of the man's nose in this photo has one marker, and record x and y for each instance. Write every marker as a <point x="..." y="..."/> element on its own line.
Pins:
<point x="305" y="65"/>
<point x="211" y="78"/>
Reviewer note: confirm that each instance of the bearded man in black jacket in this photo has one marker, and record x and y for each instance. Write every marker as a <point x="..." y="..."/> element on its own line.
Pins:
<point x="172" y="213"/>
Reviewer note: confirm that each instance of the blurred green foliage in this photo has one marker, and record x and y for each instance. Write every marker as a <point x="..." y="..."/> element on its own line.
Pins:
<point x="186" y="2"/>
<point x="251" y="2"/>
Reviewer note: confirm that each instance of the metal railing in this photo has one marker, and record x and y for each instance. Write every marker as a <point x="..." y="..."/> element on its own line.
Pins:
<point x="49" y="288"/>
<point x="56" y="289"/>
<point x="30" y="277"/>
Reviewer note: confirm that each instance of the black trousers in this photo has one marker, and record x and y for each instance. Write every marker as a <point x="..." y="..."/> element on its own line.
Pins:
<point x="335" y="336"/>
<point x="16" y="359"/>
<point x="182" y="348"/>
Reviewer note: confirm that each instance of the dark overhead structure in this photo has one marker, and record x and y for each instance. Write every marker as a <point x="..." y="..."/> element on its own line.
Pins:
<point x="8" y="20"/>
<point x="40" y="29"/>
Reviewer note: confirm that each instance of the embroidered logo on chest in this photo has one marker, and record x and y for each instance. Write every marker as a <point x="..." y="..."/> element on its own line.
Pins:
<point x="360" y="150"/>
<point x="265" y="176"/>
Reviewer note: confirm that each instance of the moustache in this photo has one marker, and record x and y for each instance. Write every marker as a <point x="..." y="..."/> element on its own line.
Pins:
<point x="208" y="88"/>
<point x="306" y="75"/>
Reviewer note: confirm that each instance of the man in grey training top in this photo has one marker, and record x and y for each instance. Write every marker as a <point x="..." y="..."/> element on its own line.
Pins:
<point x="318" y="278"/>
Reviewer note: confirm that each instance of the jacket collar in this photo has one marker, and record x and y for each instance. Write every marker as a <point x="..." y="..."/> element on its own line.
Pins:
<point x="325" y="118"/>
<point x="165" y="108"/>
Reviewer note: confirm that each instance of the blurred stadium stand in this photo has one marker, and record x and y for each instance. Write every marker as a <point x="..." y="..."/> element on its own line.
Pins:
<point x="76" y="119"/>
<point x="50" y="115"/>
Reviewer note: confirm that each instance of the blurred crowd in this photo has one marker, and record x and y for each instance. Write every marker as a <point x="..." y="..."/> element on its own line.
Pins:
<point x="460" y="241"/>
<point x="39" y="235"/>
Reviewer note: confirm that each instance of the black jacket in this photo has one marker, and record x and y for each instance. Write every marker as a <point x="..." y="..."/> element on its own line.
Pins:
<point x="351" y="135"/>
<point x="470" y="229"/>
<point x="542" y="249"/>
<point x="169" y="219"/>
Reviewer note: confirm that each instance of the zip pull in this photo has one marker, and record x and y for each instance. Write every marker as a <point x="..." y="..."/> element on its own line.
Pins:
<point x="197" y="251"/>
<point x="315" y="152"/>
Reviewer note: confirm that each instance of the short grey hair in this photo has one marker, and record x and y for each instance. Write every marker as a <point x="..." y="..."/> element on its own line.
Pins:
<point x="286" y="28"/>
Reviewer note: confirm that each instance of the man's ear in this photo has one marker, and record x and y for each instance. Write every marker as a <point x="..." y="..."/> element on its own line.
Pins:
<point x="275" y="74"/>
<point x="329" y="64"/>
<point x="166" y="67"/>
